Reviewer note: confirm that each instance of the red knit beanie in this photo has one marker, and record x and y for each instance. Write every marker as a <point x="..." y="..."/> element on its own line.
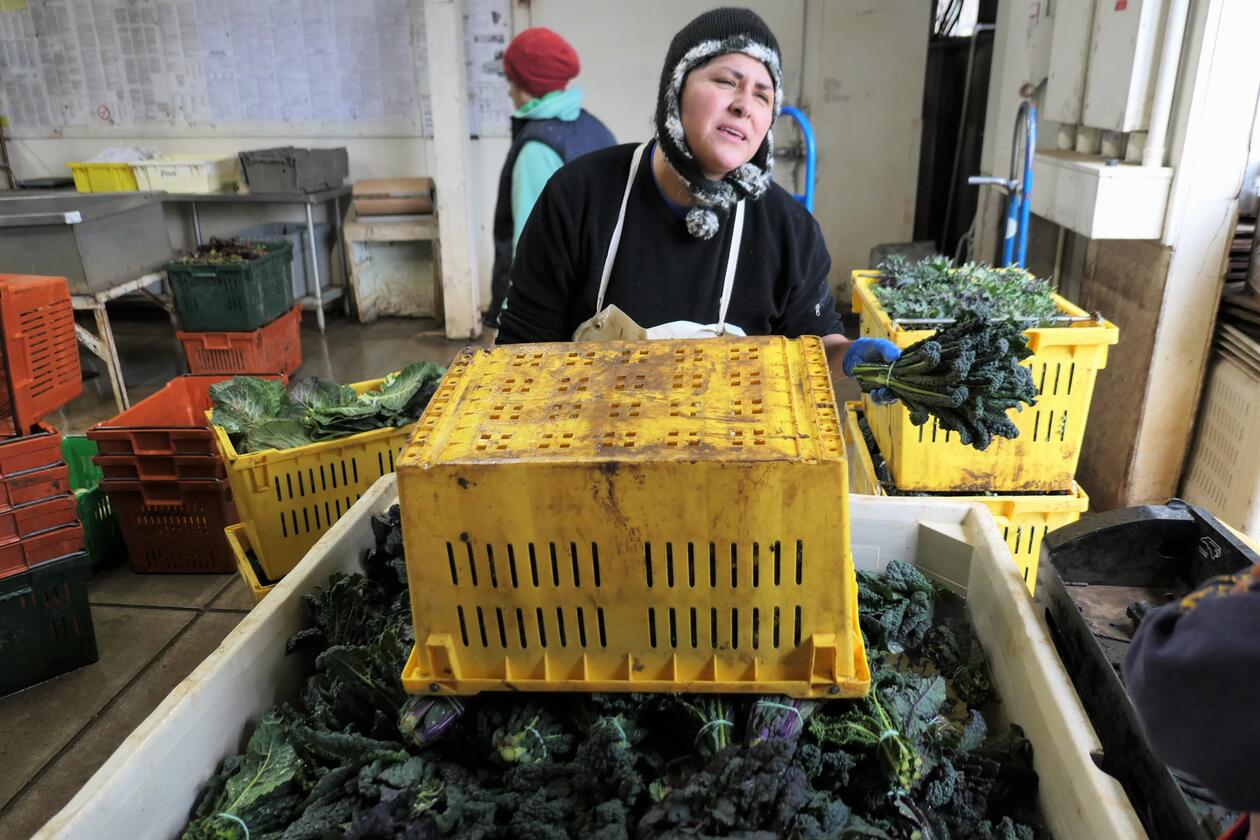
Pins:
<point x="539" y="61"/>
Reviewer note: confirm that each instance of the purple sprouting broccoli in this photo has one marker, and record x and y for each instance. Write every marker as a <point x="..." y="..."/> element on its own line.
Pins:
<point x="778" y="719"/>
<point x="423" y="720"/>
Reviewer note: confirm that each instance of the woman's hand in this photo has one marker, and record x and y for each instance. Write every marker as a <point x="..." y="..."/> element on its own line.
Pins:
<point x="872" y="351"/>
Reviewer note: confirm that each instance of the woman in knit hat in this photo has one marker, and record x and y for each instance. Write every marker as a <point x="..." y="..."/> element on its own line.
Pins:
<point x="549" y="129"/>
<point x="684" y="236"/>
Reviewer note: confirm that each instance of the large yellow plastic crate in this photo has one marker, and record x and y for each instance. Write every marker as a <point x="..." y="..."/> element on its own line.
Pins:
<point x="287" y="498"/>
<point x="1043" y="458"/>
<point x="238" y="542"/>
<point x="1024" y="520"/>
<point x="632" y="516"/>
<point x="103" y="177"/>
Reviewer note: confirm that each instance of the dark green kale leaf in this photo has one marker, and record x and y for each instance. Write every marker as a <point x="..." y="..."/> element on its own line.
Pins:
<point x="358" y="688"/>
<point x="896" y="609"/>
<point x="345" y="611"/>
<point x="254" y="793"/>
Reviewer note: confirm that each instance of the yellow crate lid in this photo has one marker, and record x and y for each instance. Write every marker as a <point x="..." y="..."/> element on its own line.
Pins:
<point x="752" y="399"/>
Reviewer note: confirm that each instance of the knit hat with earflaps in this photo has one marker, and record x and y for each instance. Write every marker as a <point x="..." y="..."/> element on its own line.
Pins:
<point x="715" y="33"/>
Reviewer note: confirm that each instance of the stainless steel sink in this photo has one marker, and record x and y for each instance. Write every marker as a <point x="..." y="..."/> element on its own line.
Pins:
<point x="94" y="240"/>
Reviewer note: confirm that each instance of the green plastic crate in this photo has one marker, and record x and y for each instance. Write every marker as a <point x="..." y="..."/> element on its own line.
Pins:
<point x="78" y="451"/>
<point x="234" y="297"/>
<point x="101" y="534"/>
<point x="45" y="622"/>
<point x="100" y="526"/>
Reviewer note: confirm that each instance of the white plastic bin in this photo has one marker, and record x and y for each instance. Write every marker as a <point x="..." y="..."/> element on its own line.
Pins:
<point x="148" y="787"/>
<point x="187" y="173"/>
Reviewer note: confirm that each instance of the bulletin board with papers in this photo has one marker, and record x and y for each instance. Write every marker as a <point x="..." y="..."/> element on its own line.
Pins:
<point x="72" y="66"/>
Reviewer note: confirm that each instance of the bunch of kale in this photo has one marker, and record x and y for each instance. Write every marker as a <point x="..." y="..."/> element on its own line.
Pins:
<point x="967" y="376"/>
<point x="356" y="757"/>
<point x="222" y="251"/>
<point x="934" y="288"/>
<point x="259" y="414"/>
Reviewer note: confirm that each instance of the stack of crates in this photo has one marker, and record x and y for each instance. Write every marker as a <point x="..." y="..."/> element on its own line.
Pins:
<point x="45" y="623"/>
<point x="1028" y="482"/>
<point x="239" y="317"/>
<point x="167" y="484"/>
<point x="39" y="520"/>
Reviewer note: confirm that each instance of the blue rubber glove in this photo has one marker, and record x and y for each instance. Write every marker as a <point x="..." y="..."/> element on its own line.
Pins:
<point x="872" y="351"/>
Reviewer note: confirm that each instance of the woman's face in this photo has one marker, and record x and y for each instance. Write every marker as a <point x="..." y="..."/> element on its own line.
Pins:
<point x="726" y="109"/>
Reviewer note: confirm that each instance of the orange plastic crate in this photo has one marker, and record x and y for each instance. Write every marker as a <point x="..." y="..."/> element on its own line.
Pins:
<point x="27" y="520"/>
<point x="20" y="555"/>
<point x="41" y="448"/>
<point x="275" y="348"/>
<point x="34" y="485"/>
<point x="170" y="422"/>
<point x="40" y="350"/>
<point x="174" y="526"/>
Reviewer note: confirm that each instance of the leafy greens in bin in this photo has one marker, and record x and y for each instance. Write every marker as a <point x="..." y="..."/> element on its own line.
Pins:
<point x="935" y="288"/>
<point x="356" y="757"/>
<point x="259" y="414"/>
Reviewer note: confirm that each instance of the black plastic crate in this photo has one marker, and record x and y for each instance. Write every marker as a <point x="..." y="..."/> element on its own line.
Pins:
<point x="288" y="169"/>
<point x="1097" y="569"/>
<point x="45" y="623"/>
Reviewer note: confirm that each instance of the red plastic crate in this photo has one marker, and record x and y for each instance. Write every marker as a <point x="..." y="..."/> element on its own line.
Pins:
<point x="28" y="520"/>
<point x="161" y="467"/>
<point x="41" y="448"/>
<point x="41" y="352"/>
<point x="174" y="526"/>
<point x="34" y="485"/>
<point x="20" y="555"/>
<point x="276" y="347"/>
<point x="170" y="422"/>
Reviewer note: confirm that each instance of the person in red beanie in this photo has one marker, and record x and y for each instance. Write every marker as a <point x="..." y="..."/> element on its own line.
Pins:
<point x="549" y="129"/>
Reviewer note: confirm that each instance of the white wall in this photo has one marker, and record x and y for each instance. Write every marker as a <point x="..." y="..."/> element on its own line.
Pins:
<point x="856" y="66"/>
<point x="863" y="83"/>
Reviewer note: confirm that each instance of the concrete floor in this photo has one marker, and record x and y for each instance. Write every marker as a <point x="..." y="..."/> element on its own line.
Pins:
<point x="153" y="630"/>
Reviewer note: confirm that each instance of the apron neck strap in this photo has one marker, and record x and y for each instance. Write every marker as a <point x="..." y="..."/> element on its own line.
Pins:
<point x="732" y="256"/>
<point x="732" y="259"/>
<point x="615" y="242"/>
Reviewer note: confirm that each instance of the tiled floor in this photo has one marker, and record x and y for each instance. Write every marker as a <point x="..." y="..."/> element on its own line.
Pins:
<point x="153" y="630"/>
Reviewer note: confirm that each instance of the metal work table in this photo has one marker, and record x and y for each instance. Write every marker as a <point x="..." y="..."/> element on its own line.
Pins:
<point x="320" y="295"/>
<point x="102" y="345"/>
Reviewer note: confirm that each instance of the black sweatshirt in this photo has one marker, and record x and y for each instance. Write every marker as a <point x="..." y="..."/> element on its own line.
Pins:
<point x="662" y="273"/>
<point x="1193" y="672"/>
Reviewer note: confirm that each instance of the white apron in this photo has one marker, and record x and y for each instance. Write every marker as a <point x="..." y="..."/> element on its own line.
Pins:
<point x="611" y="324"/>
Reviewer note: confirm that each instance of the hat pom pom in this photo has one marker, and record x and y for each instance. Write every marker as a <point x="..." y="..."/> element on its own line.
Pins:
<point x="702" y="222"/>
